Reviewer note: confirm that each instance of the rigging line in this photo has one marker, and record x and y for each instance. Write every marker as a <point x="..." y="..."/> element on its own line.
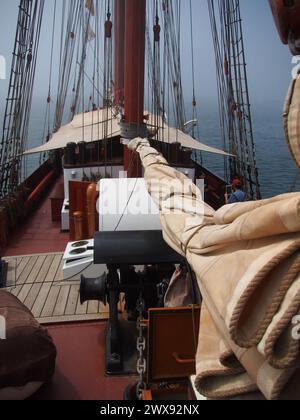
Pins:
<point x="32" y="72"/>
<point x="166" y="78"/>
<point x="223" y="103"/>
<point x="173" y="56"/>
<point x="93" y="85"/>
<point x="244" y="114"/>
<point x="153" y="73"/>
<point x="70" y="43"/>
<point x="106" y="85"/>
<point x="128" y="202"/>
<point x="237" y="166"/>
<point x="48" y="106"/>
<point x="61" y="66"/>
<point x="234" y="84"/>
<point x="238" y="86"/>
<point x="158" y="101"/>
<point x="75" y="95"/>
<point x="193" y="64"/>
<point x="97" y="20"/>
<point x="98" y="66"/>
<point x="16" y="121"/>
<point x="170" y="69"/>
<point x="174" y="36"/>
<point x="233" y="90"/>
<point x="52" y="47"/>
<point x="29" y="99"/>
<point x="248" y="105"/>
<point x="15" y="85"/>
<point x="64" y="5"/>
<point x="85" y="28"/>
<point x="164" y="84"/>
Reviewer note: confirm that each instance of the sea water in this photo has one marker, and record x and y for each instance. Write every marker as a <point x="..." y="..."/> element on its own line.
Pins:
<point x="277" y="170"/>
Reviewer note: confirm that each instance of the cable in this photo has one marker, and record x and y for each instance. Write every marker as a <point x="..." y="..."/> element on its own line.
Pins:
<point x="127" y="204"/>
<point x="233" y="95"/>
<point x="19" y="98"/>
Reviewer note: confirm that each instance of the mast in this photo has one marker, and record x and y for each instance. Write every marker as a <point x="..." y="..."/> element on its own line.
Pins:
<point x="134" y="80"/>
<point x="135" y="28"/>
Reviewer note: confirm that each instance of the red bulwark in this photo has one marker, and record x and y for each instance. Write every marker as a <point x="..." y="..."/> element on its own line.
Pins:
<point x="80" y="370"/>
<point x="39" y="235"/>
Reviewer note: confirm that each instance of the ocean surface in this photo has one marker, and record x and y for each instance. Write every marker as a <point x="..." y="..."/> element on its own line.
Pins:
<point x="276" y="168"/>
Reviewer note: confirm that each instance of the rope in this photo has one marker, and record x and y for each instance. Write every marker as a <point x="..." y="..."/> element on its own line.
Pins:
<point x="19" y="98"/>
<point x="194" y="104"/>
<point x="233" y="95"/>
<point x="49" y="99"/>
<point x="73" y="20"/>
<point x="172" y="29"/>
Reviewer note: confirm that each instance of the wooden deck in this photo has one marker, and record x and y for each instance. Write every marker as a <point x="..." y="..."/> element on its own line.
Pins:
<point x="37" y="282"/>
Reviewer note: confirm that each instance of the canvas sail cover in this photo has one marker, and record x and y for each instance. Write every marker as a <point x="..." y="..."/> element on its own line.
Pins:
<point x="102" y="124"/>
<point x="247" y="260"/>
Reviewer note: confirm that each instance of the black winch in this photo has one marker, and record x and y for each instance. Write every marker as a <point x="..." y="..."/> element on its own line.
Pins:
<point x="121" y="252"/>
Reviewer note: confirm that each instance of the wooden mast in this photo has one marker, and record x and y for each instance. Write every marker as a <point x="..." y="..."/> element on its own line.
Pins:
<point x="134" y="77"/>
<point x="135" y="27"/>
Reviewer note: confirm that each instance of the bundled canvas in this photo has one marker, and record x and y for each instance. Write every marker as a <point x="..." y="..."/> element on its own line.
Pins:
<point x="247" y="260"/>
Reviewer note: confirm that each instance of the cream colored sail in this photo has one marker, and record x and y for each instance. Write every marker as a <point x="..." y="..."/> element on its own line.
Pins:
<point x="100" y="125"/>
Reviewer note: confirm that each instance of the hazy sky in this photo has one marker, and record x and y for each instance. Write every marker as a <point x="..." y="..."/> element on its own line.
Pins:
<point x="269" y="62"/>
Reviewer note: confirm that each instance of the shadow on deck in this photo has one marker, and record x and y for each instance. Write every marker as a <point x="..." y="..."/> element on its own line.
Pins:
<point x="36" y="281"/>
<point x="38" y="234"/>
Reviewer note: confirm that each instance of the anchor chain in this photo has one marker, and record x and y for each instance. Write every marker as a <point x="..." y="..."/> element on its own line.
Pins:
<point x="141" y="347"/>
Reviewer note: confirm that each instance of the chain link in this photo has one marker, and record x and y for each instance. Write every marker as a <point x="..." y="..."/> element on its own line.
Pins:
<point x="141" y="347"/>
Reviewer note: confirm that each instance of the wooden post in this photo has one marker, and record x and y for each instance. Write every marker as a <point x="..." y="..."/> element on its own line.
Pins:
<point x="135" y="28"/>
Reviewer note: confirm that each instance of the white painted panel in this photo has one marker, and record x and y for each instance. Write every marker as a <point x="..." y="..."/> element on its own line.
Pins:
<point x="125" y="205"/>
<point x="76" y="174"/>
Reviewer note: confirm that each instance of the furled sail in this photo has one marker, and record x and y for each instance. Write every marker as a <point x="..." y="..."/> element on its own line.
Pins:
<point x="254" y="302"/>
